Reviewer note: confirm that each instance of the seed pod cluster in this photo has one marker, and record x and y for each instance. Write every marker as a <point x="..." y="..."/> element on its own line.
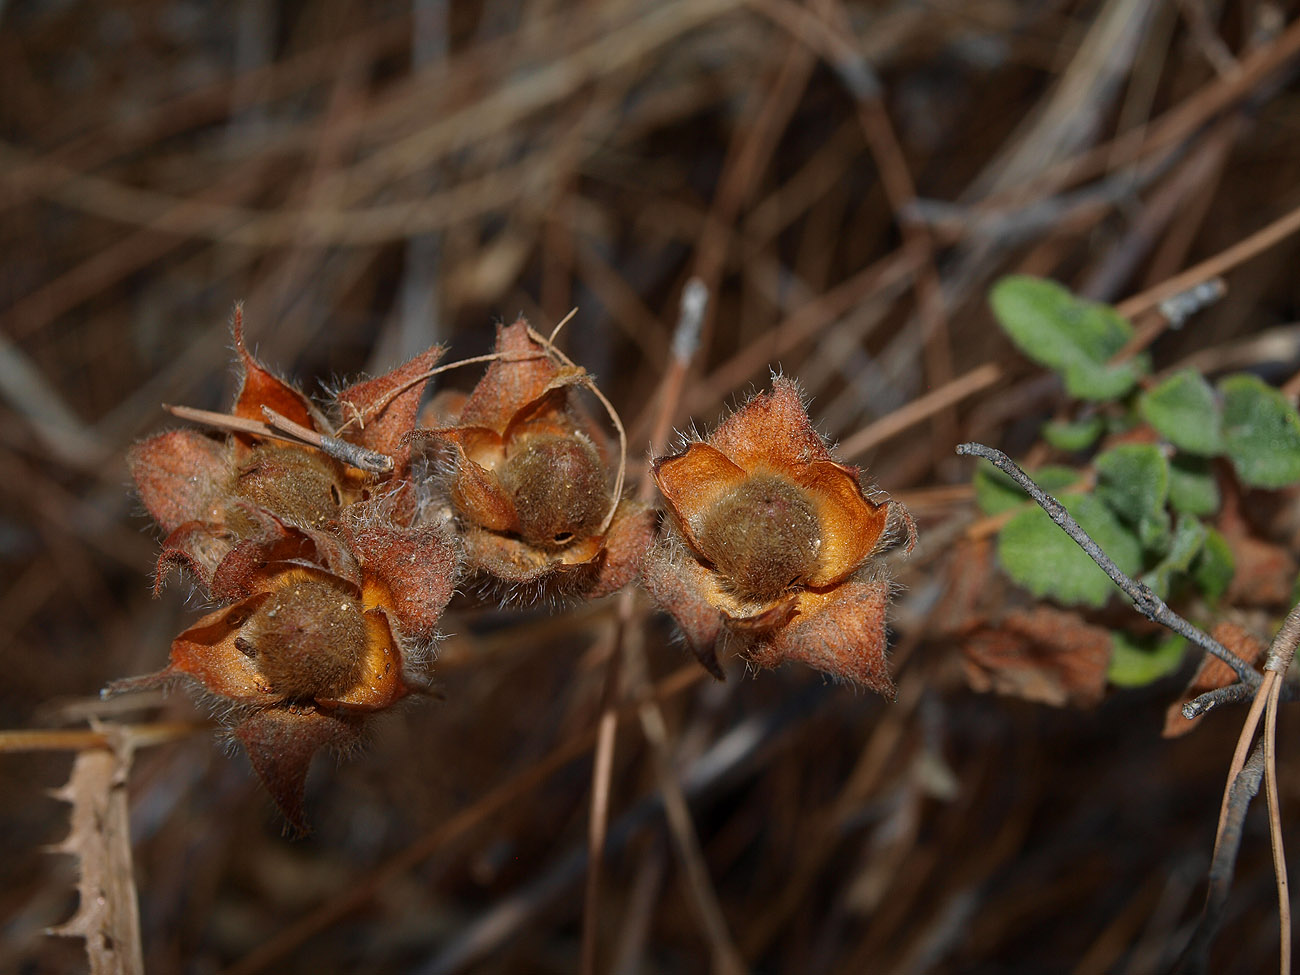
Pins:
<point x="328" y="583"/>
<point x="328" y="574"/>
<point x="772" y="546"/>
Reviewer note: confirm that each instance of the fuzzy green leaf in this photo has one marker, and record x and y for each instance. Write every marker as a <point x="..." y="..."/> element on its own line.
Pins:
<point x="1041" y="557"/>
<point x="1134" y="480"/>
<point x="995" y="492"/>
<point x="1136" y="662"/>
<point x="1076" y="338"/>
<point x="1073" y="435"/>
<point x="1192" y="487"/>
<point x="1261" y="432"/>
<point x="1214" y="566"/>
<point x="1185" y="411"/>
<point x="1186" y="543"/>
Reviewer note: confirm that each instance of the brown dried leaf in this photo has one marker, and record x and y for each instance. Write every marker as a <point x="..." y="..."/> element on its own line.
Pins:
<point x="1046" y="655"/>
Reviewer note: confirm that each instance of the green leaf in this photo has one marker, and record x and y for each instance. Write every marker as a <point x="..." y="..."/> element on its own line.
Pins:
<point x="1186" y="543"/>
<point x="1192" y="487"/>
<point x="1134" y="480"/>
<point x="1073" y="434"/>
<point x="1137" y="662"/>
<point x="1076" y="338"/>
<point x="1045" y="560"/>
<point x="1261" y="432"/>
<point x="1212" y="571"/>
<point x="1185" y="411"/>
<point x="995" y="492"/>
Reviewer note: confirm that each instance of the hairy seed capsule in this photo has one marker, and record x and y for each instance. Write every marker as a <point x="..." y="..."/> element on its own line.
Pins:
<point x="558" y="488"/>
<point x="298" y="485"/>
<point x="308" y="639"/>
<point x="763" y="536"/>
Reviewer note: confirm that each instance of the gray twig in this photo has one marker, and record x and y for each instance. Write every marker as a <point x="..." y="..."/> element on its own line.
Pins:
<point x="1145" y="601"/>
<point x="1195" y="957"/>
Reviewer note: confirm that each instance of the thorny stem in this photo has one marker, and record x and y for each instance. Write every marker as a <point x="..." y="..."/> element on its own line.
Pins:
<point x="1145" y="601"/>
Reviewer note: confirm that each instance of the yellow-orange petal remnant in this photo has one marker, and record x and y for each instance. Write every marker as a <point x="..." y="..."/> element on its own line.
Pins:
<point x="772" y="546"/>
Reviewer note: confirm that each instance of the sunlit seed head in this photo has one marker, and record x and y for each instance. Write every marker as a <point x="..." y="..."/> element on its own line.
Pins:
<point x="763" y="537"/>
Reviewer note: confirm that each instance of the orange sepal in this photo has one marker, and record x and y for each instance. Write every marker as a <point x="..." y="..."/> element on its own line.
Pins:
<point x="207" y="653"/>
<point x="851" y="526"/>
<point x="479" y="497"/>
<point x="692" y="482"/>
<point x="547" y="415"/>
<point x="380" y="683"/>
<point x="260" y="388"/>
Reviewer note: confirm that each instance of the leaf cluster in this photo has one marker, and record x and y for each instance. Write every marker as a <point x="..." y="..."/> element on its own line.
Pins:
<point x="1160" y="455"/>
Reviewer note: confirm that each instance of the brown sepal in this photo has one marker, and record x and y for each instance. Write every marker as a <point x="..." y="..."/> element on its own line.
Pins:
<point x="409" y="571"/>
<point x="1045" y="655"/>
<point x="281" y="743"/>
<point x="197" y="547"/>
<point x="840" y="632"/>
<point x="772" y="430"/>
<point x="1212" y="674"/>
<point x="379" y="414"/>
<point x="510" y="383"/>
<point x="626" y="544"/>
<point x="681" y="587"/>
<point x="258" y="387"/>
<point x="178" y="474"/>
<point x="251" y="564"/>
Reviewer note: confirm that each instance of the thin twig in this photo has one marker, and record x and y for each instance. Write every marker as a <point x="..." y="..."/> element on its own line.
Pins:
<point x="1144" y="600"/>
<point x="354" y="455"/>
<point x="1195" y="957"/>
<point x="694" y="302"/>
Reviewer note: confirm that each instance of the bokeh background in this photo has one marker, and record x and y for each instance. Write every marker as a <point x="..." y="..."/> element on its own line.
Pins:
<point x="848" y="179"/>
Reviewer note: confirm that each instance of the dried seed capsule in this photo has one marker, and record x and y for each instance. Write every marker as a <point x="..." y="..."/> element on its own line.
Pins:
<point x="558" y="488"/>
<point x="293" y="483"/>
<point x="308" y="639"/>
<point x="763" y="536"/>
